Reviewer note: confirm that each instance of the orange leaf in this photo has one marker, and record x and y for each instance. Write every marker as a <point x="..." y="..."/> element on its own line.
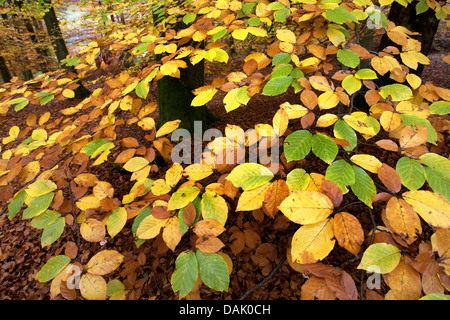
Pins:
<point x="275" y="194"/>
<point x="390" y="178"/>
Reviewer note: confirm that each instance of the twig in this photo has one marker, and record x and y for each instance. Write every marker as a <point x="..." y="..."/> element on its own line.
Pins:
<point x="259" y="285"/>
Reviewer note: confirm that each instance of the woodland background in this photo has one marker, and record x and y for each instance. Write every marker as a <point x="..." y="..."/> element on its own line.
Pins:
<point x="144" y="276"/>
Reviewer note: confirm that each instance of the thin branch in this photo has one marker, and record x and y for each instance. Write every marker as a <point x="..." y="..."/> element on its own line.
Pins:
<point x="259" y="285"/>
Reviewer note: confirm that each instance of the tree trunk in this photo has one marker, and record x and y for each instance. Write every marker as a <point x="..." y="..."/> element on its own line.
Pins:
<point x="6" y="76"/>
<point x="175" y="96"/>
<point x="425" y="23"/>
<point x="59" y="45"/>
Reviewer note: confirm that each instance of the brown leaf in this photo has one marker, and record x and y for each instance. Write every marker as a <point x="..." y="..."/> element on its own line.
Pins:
<point x="66" y="293"/>
<point x="390" y="178"/>
<point x="208" y="227"/>
<point x="160" y="212"/>
<point x="307" y="120"/>
<point x="71" y="250"/>
<point x="333" y="192"/>
<point x="413" y="136"/>
<point x="189" y="214"/>
<point x="316" y="287"/>
<point x="209" y="245"/>
<point x="344" y="286"/>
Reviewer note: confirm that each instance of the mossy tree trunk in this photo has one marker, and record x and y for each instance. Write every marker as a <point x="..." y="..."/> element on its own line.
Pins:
<point x="4" y="71"/>
<point x="175" y="96"/>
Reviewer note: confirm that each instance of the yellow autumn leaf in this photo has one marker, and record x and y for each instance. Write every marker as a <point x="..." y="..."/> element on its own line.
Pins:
<point x="104" y="262"/>
<point x="173" y="175"/>
<point x="182" y="197"/>
<point x="167" y="128"/>
<point x="197" y="171"/>
<point x="239" y="34"/>
<point x="294" y="111"/>
<point x="432" y="207"/>
<point x="150" y="227"/>
<point x="172" y="233"/>
<point x="328" y="100"/>
<point x="68" y="93"/>
<point x="135" y="164"/>
<point x="313" y="242"/>
<point x="285" y="35"/>
<point x="93" y="287"/>
<point x="280" y="122"/>
<point x="160" y="187"/>
<point x="252" y="199"/>
<point x="367" y="161"/>
<point x="306" y="207"/>
<point x="203" y="97"/>
<point x="88" y="202"/>
<point x="326" y="120"/>
<point x="116" y="221"/>
<point x="390" y="120"/>
<point x="320" y="83"/>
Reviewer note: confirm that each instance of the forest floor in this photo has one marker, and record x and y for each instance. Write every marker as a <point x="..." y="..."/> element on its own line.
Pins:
<point x="148" y="277"/>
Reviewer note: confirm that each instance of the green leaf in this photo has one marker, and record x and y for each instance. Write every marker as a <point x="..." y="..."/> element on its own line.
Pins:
<point x="436" y="296"/>
<point x="297" y="145"/>
<point x="440" y="107"/>
<point x="213" y="270"/>
<point x="411" y="173"/>
<point x="254" y="22"/>
<point x="324" y="147"/>
<point x="341" y="173"/>
<point x="214" y="207"/>
<point x="277" y="86"/>
<point x="47" y="99"/>
<point x="51" y="269"/>
<point x="281" y="70"/>
<point x="342" y="130"/>
<point x="280" y="16"/>
<point x="297" y="180"/>
<point x="339" y="15"/>
<point x="53" y="231"/>
<point x="364" y="187"/>
<point x="248" y="7"/>
<point x="93" y="146"/>
<point x="16" y="204"/>
<point x="281" y="58"/>
<point x="38" y="205"/>
<point x="397" y="91"/>
<point x="114" y="286"/>
<point x="44" y="219"/>
<point x="366" y="74"/>
<point x="348" y="58"/>
<point x="437" y="162"/>
<point x="186" y="273"/>
<point x="439" y="183"/>
<point x="380" y="258"/>
<point x="189" y="17"/>
<point x="142" y="89"/>
<point x="249" y="176"/>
